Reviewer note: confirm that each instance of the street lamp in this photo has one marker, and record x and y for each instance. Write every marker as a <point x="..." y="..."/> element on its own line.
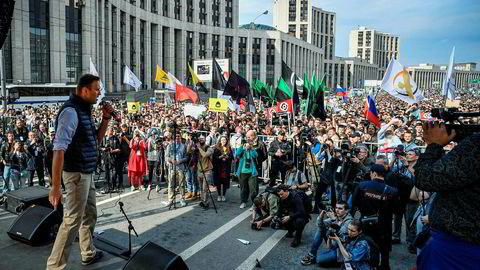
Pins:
<point x="252" y="24"/>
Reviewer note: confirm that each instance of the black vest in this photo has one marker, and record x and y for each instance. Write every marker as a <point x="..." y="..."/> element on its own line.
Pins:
<point x="81" y="154"/>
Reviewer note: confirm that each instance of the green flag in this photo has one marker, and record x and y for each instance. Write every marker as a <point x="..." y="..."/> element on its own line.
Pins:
<point x="282" y="92"/>
<point x="306" y="86"/>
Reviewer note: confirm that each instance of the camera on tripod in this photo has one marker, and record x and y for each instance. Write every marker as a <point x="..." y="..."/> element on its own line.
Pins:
<point x="347" y="152"/>
<point x="450" y="116"/>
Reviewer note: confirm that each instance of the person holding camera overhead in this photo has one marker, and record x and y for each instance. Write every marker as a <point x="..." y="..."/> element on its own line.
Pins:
<point x="328" y="224"/>
<point x="377" y="202"/>
<point x="280" y="150"/>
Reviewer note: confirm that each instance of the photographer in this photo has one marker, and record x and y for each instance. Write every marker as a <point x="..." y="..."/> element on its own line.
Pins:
<point x="154" y="145"/>
<point x="358" y="251"/>
<point x="295" y="207"/>
<point x="247" y="171"/>
<point x="36" y="150"/>
<point x="192" y="154"/>
<point x="266" y="209"/>
<point x="454" y="219"/>
<point x="280" y="151"/>
<point x="336" y="223"/>
<point x="204" y="169"/>
<point x="295" y="178"/>
<point x="114" y="148"/>
<point x="377" y="202"/>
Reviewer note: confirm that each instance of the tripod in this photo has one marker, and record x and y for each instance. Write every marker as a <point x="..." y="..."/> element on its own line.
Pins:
<point x="130" y="229"/>
<point x="208" y="188"/>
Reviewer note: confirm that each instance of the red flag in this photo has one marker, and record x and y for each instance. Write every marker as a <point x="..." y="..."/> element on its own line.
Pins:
<point x="183" y="93"/>
<point x="285" y="106"/>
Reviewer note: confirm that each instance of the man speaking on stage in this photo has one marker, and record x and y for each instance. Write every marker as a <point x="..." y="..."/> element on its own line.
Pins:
<point x="75" y="158"/>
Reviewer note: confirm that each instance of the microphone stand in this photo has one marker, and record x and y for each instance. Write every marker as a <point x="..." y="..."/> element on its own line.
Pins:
<point x="130" y="229"/>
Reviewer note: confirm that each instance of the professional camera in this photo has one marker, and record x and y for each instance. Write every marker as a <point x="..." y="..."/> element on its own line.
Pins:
<point x="276" y="223"/>
<point x="347" y="152"/>
<point x="400" y="151"/>
<point x="450" y="116"/>
<point x="254" y="227"/>
<point x="333" y="229"/>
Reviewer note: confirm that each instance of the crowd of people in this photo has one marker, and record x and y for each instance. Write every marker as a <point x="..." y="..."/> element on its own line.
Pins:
<point x="358" y="178"/>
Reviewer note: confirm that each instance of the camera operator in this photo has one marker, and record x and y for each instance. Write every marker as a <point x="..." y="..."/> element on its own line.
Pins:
<point x="266" y="206"/>
<point x="402" y="177"/>
<point x="176" y="158"/>
<point x="280" y="151"/>
<point x="124" y="154"/>
<point x="377" y="202"/>
<point x="295" y="178"/>
<point x="192" y="153"/>
<point x="295" y="205"/>
<point x="454" y="219"/>
<point x="114" y="148"/>
<point x="36" y="150"/>
<point x="154" y="145"/>
<point x="247" y="171"/>
<point x="340" y="220"/>
<point x="358" y="251"/>
<point x="204" y="169"/>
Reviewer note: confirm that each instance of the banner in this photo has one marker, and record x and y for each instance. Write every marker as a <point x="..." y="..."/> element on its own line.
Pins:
<point x="204" y="68"/>
<point x="133" y="107"/>
<point x="284" y="106"/>
<point x="217" y="105"/>
<point x="193" y="110"/>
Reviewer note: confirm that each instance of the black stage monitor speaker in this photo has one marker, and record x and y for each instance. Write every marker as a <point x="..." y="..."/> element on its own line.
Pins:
<point x="153" y="257"/>
<point x="35" y="226"/>
<point x="18" y="200"/>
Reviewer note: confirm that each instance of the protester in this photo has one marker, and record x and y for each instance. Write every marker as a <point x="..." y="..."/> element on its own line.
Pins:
<point x="137" y="165"/>
<point x="222" y="163"/>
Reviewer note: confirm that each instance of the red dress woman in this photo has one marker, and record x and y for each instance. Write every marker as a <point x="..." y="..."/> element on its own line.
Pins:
<point x="137" y="164"/>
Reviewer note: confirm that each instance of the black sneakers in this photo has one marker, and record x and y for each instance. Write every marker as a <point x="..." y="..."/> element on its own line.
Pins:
<point x="307" y="260"/>
<point x="94" y="259"/>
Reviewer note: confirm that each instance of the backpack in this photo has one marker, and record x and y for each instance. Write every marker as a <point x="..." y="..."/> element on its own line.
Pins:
<point x="307" y="201"/>
<point x="374" y="254"/>
<point x="261" y="152"/>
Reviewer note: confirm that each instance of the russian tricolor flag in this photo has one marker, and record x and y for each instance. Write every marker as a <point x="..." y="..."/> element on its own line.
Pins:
<point x="341" y="92"/>
<point x="372" y="114"/>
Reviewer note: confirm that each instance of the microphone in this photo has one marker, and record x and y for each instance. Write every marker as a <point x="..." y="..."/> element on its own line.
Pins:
<point x="121" y="204"/>
<point x="113" y="113"/>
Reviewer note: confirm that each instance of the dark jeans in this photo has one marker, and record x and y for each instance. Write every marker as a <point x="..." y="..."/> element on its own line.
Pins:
<point x="117" y="179"/>
<point x="221" y="191"/>
<point x="321" y="188"/>
<point x="277" y="167"/>
<point x="40" y="174"/>
<point x="248" y="187"/>
<point x="296" y="225"/>
<point x="151" y="168"/>
<point x="408" y="214"/>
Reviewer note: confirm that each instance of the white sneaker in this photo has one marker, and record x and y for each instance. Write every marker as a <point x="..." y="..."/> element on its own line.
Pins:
<point x="224" y="199"/>
<point x="242" y="205"/>
<point x="183" y="203"/>
<point x="149" y="187"/>
<point x="157" y="188"/>
<point x="133" y="188"/>
<point x="219" y="198"/>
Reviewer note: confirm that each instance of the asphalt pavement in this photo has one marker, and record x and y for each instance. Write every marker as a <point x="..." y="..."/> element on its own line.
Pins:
<point x="204" y="239"/>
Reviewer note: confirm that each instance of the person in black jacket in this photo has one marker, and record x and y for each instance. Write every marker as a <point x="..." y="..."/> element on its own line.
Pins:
<point x="295" y="215"/>
<point x="280" y="151"/>
<point x="378" y="201"/>
<point x="36" y="149"/>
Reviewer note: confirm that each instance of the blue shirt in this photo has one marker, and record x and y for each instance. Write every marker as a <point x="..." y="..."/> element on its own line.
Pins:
<point x="360" y="253"/>
<point x="66" y="127"/>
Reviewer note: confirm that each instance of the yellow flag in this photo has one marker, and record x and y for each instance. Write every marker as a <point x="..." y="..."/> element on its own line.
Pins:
<point x="161" y="76"/>
<point x="217" y="105"/>
<point x="195" y="79"/>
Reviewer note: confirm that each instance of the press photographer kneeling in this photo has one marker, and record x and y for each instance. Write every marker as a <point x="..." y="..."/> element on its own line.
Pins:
<point x="266" y="206"/>
<point x="328" y="224"/>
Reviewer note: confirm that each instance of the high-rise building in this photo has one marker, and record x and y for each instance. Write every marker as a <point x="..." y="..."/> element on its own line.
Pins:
<point x="374" y="46"/>
<point x="53" y="41"/>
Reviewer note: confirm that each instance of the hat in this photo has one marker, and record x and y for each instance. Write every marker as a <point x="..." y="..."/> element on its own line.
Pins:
<point x="356" y="134"/>
<point x="378" y="168"/>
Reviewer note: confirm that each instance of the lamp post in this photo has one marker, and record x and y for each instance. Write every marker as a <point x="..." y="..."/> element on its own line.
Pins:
<point x="249" y="44"/>
<point x="252" y="24"/>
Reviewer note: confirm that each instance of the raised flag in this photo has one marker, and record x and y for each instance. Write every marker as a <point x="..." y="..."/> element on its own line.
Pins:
<point x="449" y="86"/>
<point x="285" y="106"/>
<point x="341" y="92"/>
<point x="196" y="82"/>
<point x="130" y="79"/>
<point x="218" y="80"/>
<point x="93" y="71"/>
<point x="237" y="87"/>
<point x="282" y="92"/>
<point x="306" y="86"/>
<point x="161" y="76"/>
<point x="183" y="93"/>
<point x="372" y="114"/>
<point x="398" y="83"/>
<point x="173" y="82"/>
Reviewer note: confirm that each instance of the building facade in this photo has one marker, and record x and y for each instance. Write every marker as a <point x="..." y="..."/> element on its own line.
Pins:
<point x="374" y="46"/>
<point x="54" y="41"/>
<point x="428" y="76"/>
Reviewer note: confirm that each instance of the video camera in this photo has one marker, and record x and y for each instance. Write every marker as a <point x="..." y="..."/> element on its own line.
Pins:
<point x="450" y="116"/>
<point x="347" y="152"/>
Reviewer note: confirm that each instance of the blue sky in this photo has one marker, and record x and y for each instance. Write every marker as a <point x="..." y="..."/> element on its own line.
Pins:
<point x="428" y="29"/>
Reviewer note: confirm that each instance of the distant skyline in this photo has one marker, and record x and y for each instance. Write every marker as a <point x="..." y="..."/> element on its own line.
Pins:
<point x="428" y="29"/>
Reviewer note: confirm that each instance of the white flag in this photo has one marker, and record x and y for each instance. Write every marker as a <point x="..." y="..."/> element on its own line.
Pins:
<point x="130" y="79"/>
<point x="173" y="82"/>
<point x="449" y="81"/>
<point x="93" y="71"/>
<point x="233" y="106"/>
<point x="398" y="83"/>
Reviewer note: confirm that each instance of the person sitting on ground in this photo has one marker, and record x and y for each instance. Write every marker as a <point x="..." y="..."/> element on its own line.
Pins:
<point x="341" y="218"/>
<point x="356" y="255"/>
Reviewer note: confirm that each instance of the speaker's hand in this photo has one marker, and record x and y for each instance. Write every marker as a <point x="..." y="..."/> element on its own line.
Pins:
<point x="55" y="196"/>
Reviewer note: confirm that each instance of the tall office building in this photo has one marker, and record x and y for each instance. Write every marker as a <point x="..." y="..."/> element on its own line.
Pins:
<point x="374" y="46"/>
<point x="52" y="41"/>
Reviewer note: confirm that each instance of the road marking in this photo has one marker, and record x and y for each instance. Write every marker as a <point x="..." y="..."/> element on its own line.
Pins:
<point x="117" y="197"/>
<point x="214" y="235"/>
<point x="7" y="217"/>
<point x="263" y="250"/>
